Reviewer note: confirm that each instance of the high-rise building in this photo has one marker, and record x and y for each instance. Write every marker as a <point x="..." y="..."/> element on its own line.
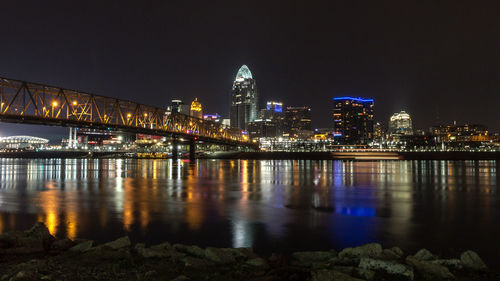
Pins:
<point x="298" y="121"/>
<point x="196" y="109"/>
<point x="213" y="117"/>
<point x="353" y="120"/>
<point x="178" y="106"/>
<point x="400" y="124"/>
<point x="244" y="99"/>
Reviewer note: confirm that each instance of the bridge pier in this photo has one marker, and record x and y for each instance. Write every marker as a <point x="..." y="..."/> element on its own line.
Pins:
<point x="192" y="149"/>
<point x="175" y="148"/>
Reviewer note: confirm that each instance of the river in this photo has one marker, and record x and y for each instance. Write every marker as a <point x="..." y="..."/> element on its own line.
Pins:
<point x="270" y="205"/>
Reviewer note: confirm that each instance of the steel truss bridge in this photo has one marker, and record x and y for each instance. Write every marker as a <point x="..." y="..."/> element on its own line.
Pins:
<point x="32" y="103"/>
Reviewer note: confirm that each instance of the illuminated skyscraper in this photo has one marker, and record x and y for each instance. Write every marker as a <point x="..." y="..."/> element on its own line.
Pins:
<point x="353" y="120"/>
<point x="298" y="121"/>
<point x="244" y="99"/>
<point x="400" y="123"/>
<point x="196" y="109"/>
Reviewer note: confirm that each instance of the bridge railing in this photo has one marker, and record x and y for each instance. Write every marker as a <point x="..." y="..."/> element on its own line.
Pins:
<point x="47" y="103"/>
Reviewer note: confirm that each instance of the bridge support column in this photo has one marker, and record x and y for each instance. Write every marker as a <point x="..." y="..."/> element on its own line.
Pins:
<point x="175" y="148"/>
<point x="192" y="149"/>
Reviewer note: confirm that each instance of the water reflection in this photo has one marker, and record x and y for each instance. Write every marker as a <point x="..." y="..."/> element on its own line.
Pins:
<point x="292" y="204"/>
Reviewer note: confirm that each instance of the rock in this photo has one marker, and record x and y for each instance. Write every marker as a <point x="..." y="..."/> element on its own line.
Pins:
<point x="24" y="276"/>
<point x="181" y="278"/>
<point x="105" y="253"/>
<point x="162" y="246"/>
<point x="23" y="250"/>
<point x="258" y="263"/>
<point x="388" y="254"/>
<point x="424" y="255"/>
<point x="119" y="243"/>
<point x="331" y="275"/>
<point x="365" y="274"/>
<point x="149" y="275"/>
<point x="454" y="264"/>
<point x="372" y="250"/>
<point x="62" y="245"/>
<point x="389" y="267"/>
<point x="195" y="263"/>
<point x="312" y="257"/>
<point x="194" y="251"/>
<point x="472" y="261"/>
<point x="219" y="255"/>
<point x="82" y="247"/>
<point x="147" y="253"/>
<point x="41" y="232"/>
<point x="397" y="251"/>
<point x="428" y="270"/>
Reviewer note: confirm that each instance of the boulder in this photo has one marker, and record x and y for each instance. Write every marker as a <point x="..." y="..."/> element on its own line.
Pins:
<point x="195" y="263"/>
<point x="24" y="276"/>
<point x="312" y="257"/>
<point x="147" y="253"/>
<point x="454" y="264"/>
<point x="119" y="243"/>
<point x="219" y="255"/>
<point x="162" y="246"/>
<point x="257" y="263"/>
<point x="397" y="251"/>
<point x="331" y="275"/>
<point x="82" y="247"/>
<point x="472" y="261"/>
<point x="62" y="244"/>
<point x="194" y="251"/>
<point x="428" y="270"/>
<point x="365" y="274"/>
<point x="388" y="254"/>
<point x="424" y="255"/>
<point x="40" y="232"/>
<point x="372" y="250"/>
<point x="389" y="267"/>
<point x="181" y="278"/>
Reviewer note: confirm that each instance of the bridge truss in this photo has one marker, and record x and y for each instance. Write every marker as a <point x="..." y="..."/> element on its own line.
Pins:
<point x="32" y="103"/>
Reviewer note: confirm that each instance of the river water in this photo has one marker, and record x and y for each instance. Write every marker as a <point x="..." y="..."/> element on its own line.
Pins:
<point x="270" y="205"/>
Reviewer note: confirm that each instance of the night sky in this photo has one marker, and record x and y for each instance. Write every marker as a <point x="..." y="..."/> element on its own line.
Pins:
<point x="434" y="59"/>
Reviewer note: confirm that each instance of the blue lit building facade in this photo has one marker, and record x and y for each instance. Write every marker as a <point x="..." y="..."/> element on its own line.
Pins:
<point x="353" y="120"/>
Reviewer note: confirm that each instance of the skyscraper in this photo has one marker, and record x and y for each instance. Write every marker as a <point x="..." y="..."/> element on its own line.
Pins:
<point x="196" y="109"/>
<point x="353" y="120"/>
<point x="244" y="99"/>
<point x="298" y="121"/>
<point x="400" y="123"/>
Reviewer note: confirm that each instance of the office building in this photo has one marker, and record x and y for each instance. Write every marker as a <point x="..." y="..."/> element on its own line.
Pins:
<point x="244" y="99"/>
<point x="400" y="124"/>
<point x="353" y="120"/>
<point x="298" y="122"/>
<point x="196" y="109"/>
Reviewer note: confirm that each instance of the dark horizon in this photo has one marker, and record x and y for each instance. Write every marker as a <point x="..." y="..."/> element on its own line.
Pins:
<point x="435" y="61"/>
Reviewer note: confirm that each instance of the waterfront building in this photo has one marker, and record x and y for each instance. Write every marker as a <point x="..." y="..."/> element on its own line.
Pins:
<point x="274" y="112"/>
<point x="353" y="120"/>
<point x="22" y="142"/>
<point x="263" y="128"/>
<point x="461" y="133"/>
<point x="298" y="122"/>
<point x="400" y="124"/>
<point x="244" y="99"/>
<point x="196" y="109"/>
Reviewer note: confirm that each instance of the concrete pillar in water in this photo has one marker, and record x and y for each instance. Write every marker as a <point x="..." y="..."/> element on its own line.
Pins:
<point x="175" y="148"/>
<point x="192" y="149"/>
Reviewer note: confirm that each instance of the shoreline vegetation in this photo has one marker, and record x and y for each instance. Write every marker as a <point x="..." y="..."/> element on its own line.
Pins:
<point x="35" y="254"/>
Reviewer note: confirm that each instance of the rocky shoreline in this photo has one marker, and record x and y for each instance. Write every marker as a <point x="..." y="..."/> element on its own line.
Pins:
<point x="35" y="254"/>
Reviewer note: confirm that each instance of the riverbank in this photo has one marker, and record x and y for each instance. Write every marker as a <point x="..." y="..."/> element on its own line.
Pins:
<point x="35" y="254"/>
<point x="368" y="155"/>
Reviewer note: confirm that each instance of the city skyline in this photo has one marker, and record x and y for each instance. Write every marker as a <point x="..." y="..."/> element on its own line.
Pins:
<point x="442" y="68"/>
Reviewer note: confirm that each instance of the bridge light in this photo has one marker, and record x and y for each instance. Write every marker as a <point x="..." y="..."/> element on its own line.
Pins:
<point x="190" y="123"/>
<point x="145" y="115"/>
<point x="54" y="103"/>
<point x="75" y="103"/>
<point x="129" y="115"/>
